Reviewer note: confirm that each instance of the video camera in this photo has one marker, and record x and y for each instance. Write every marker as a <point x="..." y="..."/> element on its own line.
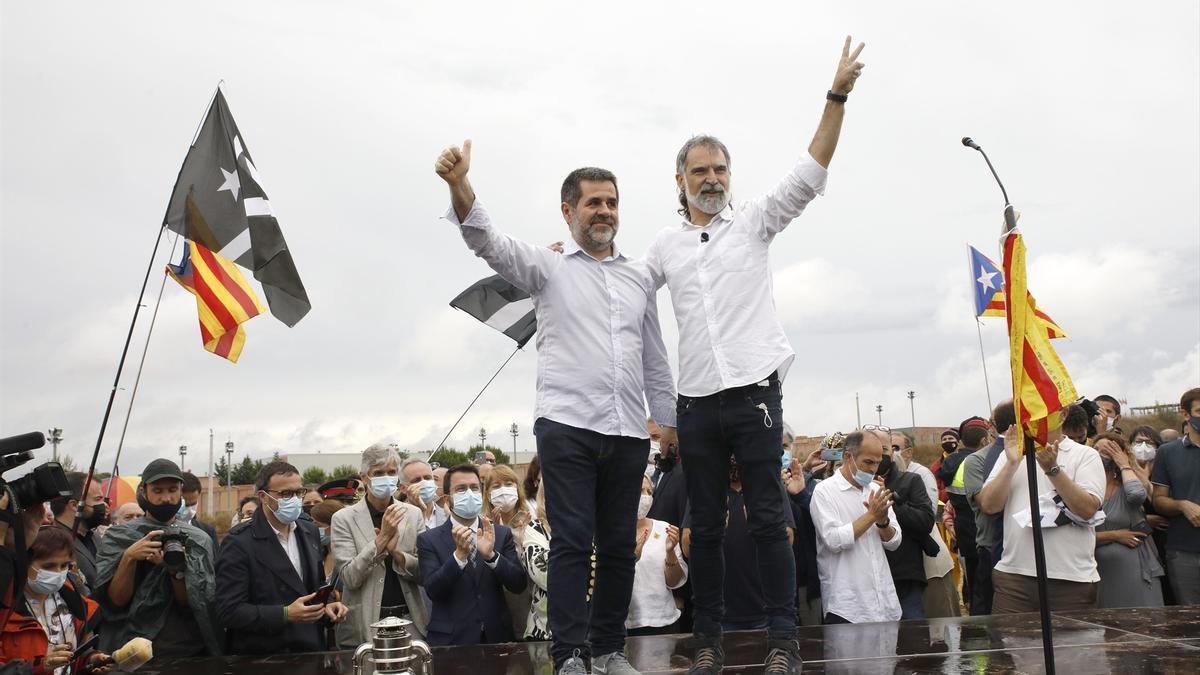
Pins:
<point x="46" y="481"/>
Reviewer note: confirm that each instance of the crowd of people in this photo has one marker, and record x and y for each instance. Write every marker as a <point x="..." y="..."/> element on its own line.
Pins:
<point x="465" y="558"/>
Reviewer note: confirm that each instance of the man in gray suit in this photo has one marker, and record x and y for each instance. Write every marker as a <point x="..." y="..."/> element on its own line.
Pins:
<point x="375" y="552"/>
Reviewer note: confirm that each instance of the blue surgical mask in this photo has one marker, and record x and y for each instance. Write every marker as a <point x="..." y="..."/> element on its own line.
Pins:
<point x="863" y="478"/>
<point x="185" y="513"/>
<point x="48" y="582"/>
<point x="383" y="486"/>
<point x="288" y="510"/>
<point x="467" y="504"/>
<point x="786" y="459"/>
<point x="1195" y="422"/>
<point x="324" y="536"/>
<point x="428" y="491"/>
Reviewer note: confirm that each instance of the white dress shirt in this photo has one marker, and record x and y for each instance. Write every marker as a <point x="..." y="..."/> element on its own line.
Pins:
<point x="598" y="339"/>
<point x="856" y="581"/>
<point x="291" y="548"/>
<point x="652" y="603"/>
<point x="721" y="288"/>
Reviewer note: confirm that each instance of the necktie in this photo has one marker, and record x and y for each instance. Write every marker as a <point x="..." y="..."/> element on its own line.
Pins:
<point x="474" y="551"/>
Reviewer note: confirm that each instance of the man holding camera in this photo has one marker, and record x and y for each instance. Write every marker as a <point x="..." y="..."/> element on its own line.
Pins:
<point x="271" y="591"/>
<point x="155" y="576"/>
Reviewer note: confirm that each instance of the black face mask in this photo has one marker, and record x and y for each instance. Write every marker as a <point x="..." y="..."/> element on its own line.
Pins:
<point x="98" y="517"/>
<point x="665" y="463"/>
<point x="949" y="447"/>
<point x="161" y="512"/>
<point x="308" y="509"/>
<point x="885" y="466"/>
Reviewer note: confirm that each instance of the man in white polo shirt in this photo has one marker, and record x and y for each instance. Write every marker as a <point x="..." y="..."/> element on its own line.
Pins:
<point x="1075" y="473"/>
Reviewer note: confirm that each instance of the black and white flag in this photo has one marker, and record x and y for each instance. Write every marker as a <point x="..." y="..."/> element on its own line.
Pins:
<point x="231" y="215"/>
<point x="500" y="305"/>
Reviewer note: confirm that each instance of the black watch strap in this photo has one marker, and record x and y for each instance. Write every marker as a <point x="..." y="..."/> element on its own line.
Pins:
<point x="885" y="525"/>
<point x="836" y="98"/>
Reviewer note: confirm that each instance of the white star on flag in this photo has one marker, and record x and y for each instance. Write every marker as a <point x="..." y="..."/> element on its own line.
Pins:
<point x="985" y="278"/>
<point x="232" y="183"/>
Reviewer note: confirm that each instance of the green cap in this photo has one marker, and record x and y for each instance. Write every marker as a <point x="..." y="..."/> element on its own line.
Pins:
<point x="160" y="469"/>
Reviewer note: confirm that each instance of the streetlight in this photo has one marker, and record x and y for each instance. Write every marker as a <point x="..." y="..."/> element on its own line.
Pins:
<point x="56" y="437"/>
<point x="913" y="409"/>
<point x="879" y="409"/>
<point x="182" y="454"/>
<point x="482" y="436"/>
<point x="514" y="431"/>
<point x="229" y="471"/>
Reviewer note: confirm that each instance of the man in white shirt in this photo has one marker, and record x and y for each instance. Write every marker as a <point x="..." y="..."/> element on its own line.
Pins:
<point x="1076" y="473"/>
<point x="600" y="358"/>
<point x="852" y="514"/>
<point x="733" y="356"/>
<point x="421" y="490"/>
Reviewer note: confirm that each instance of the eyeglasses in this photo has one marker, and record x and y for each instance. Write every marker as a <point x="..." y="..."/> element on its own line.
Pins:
<point x="463" y="489"/>
<point x="876" y="427"/>
<point x="287" y="494"/>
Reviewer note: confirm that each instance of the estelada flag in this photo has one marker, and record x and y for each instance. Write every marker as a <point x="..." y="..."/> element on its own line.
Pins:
<point x="1041" y="384"/>
<point x="224" y="300"/>
<point x="988" y="287"/>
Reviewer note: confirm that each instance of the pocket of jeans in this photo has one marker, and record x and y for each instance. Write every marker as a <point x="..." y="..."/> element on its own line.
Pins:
<point x="767" y="403"/>
<point x="683" y="405"/>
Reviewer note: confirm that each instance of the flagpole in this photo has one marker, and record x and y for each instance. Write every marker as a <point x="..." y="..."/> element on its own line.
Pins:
<point x="983" y="359"/>
<point x="472" y="403"/>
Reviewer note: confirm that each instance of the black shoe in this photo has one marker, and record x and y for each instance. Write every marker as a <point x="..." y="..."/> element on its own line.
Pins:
<point x="709" y="660"/>
<point x="783" y="658"/>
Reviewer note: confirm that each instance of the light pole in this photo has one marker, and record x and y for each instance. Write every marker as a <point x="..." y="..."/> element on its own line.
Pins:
<point x="182" y="454"/>
<point x="879" y="409"/>
<point x="229" y="472"/>
<point x="514" y="431"/>
<point x="482" y="436"/>
<point x="56" y="437"/>
<point x="912" y="408"/>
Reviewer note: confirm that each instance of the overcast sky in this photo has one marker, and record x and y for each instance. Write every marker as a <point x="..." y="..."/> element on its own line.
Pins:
<point x="1090" y="111"/>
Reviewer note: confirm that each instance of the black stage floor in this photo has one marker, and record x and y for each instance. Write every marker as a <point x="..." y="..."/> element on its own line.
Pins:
<point x="1159" y="641"/>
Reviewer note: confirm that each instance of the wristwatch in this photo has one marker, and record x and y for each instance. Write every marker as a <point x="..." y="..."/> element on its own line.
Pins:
<point x="886" y="524"/>
<point x="1054" y="471"/>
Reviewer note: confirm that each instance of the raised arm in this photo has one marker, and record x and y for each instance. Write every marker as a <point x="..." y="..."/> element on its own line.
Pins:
<point x="524" y="265"/>
<point x="825" y="141"/>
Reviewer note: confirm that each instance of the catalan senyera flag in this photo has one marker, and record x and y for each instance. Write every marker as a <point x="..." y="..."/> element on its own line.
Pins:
<point x="1041" y="384"/>
<point x="988" y="287"/>
<point x="224" y="300"/>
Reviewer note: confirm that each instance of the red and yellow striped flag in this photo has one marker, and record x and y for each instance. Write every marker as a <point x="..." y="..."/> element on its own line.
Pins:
<point x="224" y="300"/>
<point x="996" y="307"/>
<point x="1041" y="384"/>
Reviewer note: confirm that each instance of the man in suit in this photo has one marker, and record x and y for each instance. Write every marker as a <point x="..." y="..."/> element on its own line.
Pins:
<point x="467" y="563"/>
<point x="95" y="513"/>
<point x="269" y="571"/>
<point x="374" y="546"/>
<point x="191" y="506"/>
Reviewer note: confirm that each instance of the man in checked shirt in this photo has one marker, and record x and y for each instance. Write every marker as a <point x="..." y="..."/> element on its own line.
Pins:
<point x="601" y="359"/>
<point x="733" y="356"/>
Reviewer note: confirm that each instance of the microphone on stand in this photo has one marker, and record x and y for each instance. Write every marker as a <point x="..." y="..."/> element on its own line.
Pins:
<point x="1010" y="216"/>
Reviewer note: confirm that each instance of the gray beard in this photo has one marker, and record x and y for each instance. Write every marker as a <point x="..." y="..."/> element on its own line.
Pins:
<point x="712" y="204"/>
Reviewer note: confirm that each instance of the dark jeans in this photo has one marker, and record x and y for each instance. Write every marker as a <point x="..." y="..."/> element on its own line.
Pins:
<point x="968" y="578"/>
<point x="911" y="595"/>
<point x="592" y="484"/>
<point x="981" y="589"/>
<point x="753" y="624"/>
<point x="747" y="423"/>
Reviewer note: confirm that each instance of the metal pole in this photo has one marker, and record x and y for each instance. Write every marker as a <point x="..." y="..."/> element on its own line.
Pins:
<point x="857" y="412"/>
<point x="182" y="454"/>
<point x="514" y="431"/>
<point x="209" y="509"/>
<point x="913" y="409"/>
<point x="229" y="472"/>
<point x="464" y="413"/>
<point x="983" y="359"/>
<point x="879" y="409"/>
<point x="1039" y="556"/>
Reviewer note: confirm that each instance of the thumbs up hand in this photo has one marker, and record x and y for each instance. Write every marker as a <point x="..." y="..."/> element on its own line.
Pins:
<point x="454" y="162"/>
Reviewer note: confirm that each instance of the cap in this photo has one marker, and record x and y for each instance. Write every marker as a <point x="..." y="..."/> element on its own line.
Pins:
<point x="950" y="432"/>
<point x="160" y="469"/>
<point x="342" y="489"/>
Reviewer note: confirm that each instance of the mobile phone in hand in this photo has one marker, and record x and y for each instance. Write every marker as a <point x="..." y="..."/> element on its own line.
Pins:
<point x="322" y="595"/>
<point x="87" y="646"/>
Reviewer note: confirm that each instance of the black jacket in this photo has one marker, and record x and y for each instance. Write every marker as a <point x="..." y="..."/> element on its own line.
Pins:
<point x="911" y="505"/>
<point x="670" y="497"/>
<point x="255" y="581"/>
<point x="84" y="559"/>
<point x="207" y="529"/>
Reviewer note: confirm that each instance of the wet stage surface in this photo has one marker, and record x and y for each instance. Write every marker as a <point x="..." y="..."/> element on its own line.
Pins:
<point x="1124" y="641"/>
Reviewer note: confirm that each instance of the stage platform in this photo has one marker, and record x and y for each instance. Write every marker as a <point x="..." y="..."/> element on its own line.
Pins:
<point x="1127" y="641"/>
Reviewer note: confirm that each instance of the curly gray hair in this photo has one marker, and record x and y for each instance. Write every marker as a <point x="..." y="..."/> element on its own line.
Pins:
<point x="378" y="454"/>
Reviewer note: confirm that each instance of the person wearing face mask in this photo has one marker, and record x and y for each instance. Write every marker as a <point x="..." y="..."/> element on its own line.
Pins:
<point x="974" y="435"/>
<point x="1144" y="442"/>
<point x="375" y="550"/>
<point x="190" y="507"/>
<point x="269" y="571"/>
<point x="660" y="569"/>
<point x="855" y="525"/>
<point x="949" y="444"/>
<point x="421" y="490"/>
<point x="915" y="516"/>
<point x="322" y="516"/>
<point x="1176" y="479"/>
<point x="141" y="592"/>
<point x="467" y="565"/>
<point x="311" y="499"/>
<point x="1109" y="415"/>
<point x="505" y="497"/>
<point x="95" y="514"/>
<point x="1130" y="571"/>
<point x="51" y="617"/>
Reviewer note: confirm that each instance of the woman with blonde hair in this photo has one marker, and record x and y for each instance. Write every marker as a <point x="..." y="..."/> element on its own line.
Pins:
<point x="504" y="494"/>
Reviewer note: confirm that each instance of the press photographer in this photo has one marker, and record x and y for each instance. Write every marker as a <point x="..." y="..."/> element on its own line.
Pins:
<point x="155" y="576"/>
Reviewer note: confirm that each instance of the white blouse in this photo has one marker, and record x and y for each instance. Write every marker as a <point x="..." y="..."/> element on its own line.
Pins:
<point x="652" y="604"/>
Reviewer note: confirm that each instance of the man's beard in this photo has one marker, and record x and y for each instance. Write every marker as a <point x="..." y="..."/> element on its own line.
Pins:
<point x="713" y="203"/>
<point x="594" y="238"/>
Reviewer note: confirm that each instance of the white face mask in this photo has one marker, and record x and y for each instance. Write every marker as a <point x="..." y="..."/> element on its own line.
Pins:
<point x="644" y="505"/>
<point x="1109" y="423"/>
<point x="1144" y="452"/>
<point x="504" y="498"/>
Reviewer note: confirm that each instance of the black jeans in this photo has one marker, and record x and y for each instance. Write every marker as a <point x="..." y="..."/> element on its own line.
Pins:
<point x="592" y="484"/>
<point x="747" y="423"/>
<point x="981" y="589"/>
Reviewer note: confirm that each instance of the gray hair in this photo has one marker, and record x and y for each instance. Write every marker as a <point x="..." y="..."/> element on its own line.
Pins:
<point x="378" y="454"/>
<point x="788" y="433"/>
<point x="572" y="189"/>
<point x="698" y="141"/>
<point x="410" y="461"/>
<point x="853" y="443"/>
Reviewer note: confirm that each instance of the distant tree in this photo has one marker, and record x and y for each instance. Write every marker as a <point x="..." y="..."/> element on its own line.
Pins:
<point x="449" y="457"/>
<point x="314" y="475"/>
<point x="501" y="456"/>
<point x="222" y="470"/>
<point x="245" y="472"/>
<point x="343" y="471"/>
<point x="103" y="475"/>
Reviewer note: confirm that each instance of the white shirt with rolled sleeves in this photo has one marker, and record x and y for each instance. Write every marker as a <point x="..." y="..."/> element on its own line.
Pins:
<point x="856" y="581"/>
<point x="1070" y="549"/>
<point x="721" y="288"/>
<point x="600" y="348"/>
